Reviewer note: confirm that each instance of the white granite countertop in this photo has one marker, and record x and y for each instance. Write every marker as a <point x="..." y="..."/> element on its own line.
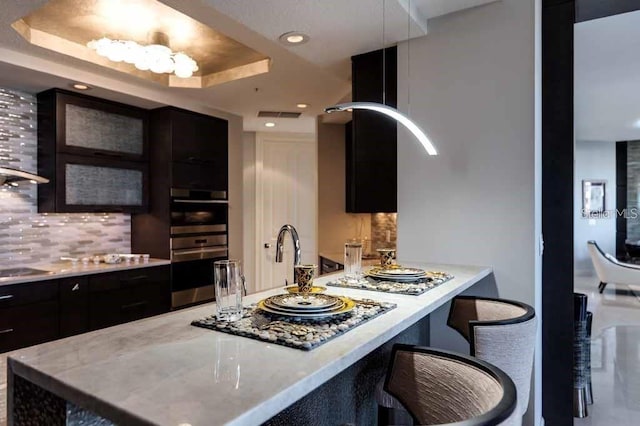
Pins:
<point x="167" y="372"/>
<point x="66" y="269"/>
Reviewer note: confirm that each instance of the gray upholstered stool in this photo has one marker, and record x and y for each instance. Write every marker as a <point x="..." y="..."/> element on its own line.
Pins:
<point x="501" y="332"/>
<point x="441" y="387"/>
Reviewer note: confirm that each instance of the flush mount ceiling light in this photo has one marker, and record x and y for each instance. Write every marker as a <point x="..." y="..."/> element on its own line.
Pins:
<point x="118" y="31"/>
<point x="293" y="38"/>
<point x="269" y="124"/>
<point x="302" y="105"/>
<point x="390" y="112"/>
<point x="157" y="57"/>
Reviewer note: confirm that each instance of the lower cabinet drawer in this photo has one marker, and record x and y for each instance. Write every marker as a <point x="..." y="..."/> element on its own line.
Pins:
<point x="28" y="325"/>
<point x="114" y="307"/>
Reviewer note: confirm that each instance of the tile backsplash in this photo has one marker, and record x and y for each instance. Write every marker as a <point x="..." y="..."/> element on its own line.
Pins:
<point x="30" y="238"/>
<point x="384" y="225"/>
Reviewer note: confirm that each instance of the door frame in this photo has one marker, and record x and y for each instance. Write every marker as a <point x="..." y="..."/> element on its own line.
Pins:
<point x="260" y="141"/>
<point x="558" y="20"/>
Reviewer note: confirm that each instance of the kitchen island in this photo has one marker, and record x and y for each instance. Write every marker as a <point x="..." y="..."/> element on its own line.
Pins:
<point x="164" y="371"/>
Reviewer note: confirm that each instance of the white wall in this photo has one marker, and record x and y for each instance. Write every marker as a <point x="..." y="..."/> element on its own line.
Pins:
<point x="474" y="85"/>
<point x="593" y="160"/>
<point x="335" y="226"/>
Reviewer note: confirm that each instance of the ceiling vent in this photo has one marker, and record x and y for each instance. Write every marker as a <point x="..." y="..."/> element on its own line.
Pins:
<point x="279" y="114"/>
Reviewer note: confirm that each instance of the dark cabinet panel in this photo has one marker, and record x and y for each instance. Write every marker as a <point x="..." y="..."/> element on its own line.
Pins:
<point x="27" y="325"/>
<point x="74" y="306"/>
<point x="371" y="140"/>
<point x="107" y="144"/>
<point x="328" y="266"/>
<point x="116" y="298"/>
<point x="86" y="184"/>
<point x="23" y="294"/>
<point x="201" y="175"/>
<point x="84" y="125"/>
<point x="198" y="137"/>
<point x="192" y="148"/>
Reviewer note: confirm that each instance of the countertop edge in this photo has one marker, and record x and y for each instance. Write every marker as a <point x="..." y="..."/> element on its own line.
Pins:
<point x="80" y="271"/>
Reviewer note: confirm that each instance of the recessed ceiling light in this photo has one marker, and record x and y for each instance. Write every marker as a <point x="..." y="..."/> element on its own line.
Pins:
<point x="293" y="38"/>
<point x="637" y="124"/>
<point x="302" y="105"/>
<point x="269" y="124"/>
<point x="80" y="86"/>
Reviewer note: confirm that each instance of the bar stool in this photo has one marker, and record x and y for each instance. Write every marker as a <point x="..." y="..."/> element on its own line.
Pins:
<point x="580" y="355"/>
<point x="501" y="332"/>
<point x="440" y="387"/>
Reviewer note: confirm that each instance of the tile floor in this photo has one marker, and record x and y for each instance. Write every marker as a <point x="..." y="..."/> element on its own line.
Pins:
<point x="615" y="354"/>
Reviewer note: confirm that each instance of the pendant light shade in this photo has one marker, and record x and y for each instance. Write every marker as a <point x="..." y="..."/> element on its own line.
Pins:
<point x="390" y="112"/>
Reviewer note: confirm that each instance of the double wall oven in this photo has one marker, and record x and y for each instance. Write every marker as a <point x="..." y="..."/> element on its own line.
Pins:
<point x="199" y="236"/>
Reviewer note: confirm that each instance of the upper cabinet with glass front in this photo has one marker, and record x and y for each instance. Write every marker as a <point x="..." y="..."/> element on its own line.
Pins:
<point x="83" y="125"/>
<point x="94" y="153"/>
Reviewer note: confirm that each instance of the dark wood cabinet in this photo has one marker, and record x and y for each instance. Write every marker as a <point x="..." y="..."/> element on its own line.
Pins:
<point x="328" y="266"/>
<point x="28" y="314"/>
<point x="74" y="306"/>
<point x="120" y="297"/>
<point x="190" y="148"/>
<point x="371" y="140"/>
<point x="93" y="151"/>
<point x="42" y="311"/>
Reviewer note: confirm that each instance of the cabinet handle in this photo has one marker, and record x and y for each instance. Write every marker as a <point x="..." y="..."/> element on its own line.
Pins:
<point x="6" y="331"/>
<point x="133" y="305"/>
<point x="6" y="297"/>
<point x="107" y="154"/>
<point x="76" y="287"/>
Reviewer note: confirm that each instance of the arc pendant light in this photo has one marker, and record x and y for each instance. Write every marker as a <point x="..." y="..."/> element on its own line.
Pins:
<point x="387" y="110"/>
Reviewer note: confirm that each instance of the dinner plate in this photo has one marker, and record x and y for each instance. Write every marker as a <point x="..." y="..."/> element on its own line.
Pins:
<point x="400" y="274"/>
<point x="303" y="311"/>
<point x="399" y="271"/>
<point x="303" y="301"/>
<point x="348" y="306"/>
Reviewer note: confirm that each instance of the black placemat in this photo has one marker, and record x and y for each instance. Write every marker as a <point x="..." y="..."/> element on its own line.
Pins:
<point x="415" y="288"/>
<point x="296" y="333"/>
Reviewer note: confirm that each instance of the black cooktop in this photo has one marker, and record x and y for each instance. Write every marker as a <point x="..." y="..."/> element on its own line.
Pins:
<point x="21" y="272"/>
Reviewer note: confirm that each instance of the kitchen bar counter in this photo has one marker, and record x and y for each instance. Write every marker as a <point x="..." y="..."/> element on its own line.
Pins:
<point x="66" y="269"/>
<point x="164" y="371"/>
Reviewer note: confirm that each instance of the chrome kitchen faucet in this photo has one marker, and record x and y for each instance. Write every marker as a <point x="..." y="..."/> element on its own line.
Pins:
<point x="296" y="245"/>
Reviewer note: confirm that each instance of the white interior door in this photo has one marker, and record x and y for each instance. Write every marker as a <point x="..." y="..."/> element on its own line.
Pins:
<point x="286" y="193"/>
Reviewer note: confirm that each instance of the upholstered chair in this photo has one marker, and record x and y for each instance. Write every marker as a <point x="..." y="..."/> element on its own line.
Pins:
<point x="611" y="270"/>
<point x="440" y="388"/>
<point x="500" y="332"/>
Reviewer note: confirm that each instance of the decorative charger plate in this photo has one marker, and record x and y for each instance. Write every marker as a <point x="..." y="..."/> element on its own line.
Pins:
<point x="347" y="306"/>
<point x="315" y="289"/>
<point x="303" y="302"/>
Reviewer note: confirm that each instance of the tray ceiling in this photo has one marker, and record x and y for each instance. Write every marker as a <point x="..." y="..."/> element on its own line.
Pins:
<point x="66" y="26"/>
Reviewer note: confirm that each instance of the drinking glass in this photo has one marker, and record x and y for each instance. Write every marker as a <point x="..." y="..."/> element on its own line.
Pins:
<point x="353" y="261"/>
<point x="229" y="287"/>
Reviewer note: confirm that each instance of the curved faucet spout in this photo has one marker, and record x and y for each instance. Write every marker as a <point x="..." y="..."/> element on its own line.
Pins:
<point x="296" y="244"/>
